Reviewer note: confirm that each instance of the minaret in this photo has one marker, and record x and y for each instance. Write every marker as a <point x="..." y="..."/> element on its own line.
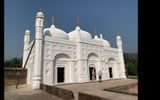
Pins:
<point x="120" y="55"/>
<point x="26" y="44"/>
<point x="101" y="36"/>
<point x="39" y="27"/>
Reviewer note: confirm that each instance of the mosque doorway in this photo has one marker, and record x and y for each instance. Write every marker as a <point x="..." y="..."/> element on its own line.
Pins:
<point x="92" y="73"/>
<point x="110" y="73"/>
<point x="60" y="74"/>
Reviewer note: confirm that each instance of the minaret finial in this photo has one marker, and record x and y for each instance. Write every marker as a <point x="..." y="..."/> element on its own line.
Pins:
<point x="95" y="32"/>
<point x="40" y="9"/>
<point x="52" y="20"/>
<point x="77" y="21"/>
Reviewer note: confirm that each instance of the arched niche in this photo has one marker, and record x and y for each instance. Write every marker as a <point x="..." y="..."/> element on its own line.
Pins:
<point x="61" y="68"/>
<point x="92" y="66"/>
<point x="92" y="56"/>
<point x="61" y="56"/>
<point x="111" y="60"/>
<point x="111" y="67"/>
<point x="92" y="72"/>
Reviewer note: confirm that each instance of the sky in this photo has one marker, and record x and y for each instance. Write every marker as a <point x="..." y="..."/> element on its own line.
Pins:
<point x="109" y="17"/>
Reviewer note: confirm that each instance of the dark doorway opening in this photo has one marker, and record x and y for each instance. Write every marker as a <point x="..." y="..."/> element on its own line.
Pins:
<point x="60" y="74"/>
<point x="92" y="73"/>
<point x="110" y="73"/>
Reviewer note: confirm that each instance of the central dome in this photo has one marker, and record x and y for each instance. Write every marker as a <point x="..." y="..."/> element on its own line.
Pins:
<point x="55" y="32"/>
<point x="73" y="35"/>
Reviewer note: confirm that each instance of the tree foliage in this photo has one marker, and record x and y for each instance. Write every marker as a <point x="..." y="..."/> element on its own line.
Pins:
<point x="131" y="64"/>
<point x="14" y="62"/>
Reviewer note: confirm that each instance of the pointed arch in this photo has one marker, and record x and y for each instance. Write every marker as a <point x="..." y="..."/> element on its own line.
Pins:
<point x="61" y="68"/>
<point x="92" y="56"/>
<point x="111" y="59"/>
<point x="61" y="56"/>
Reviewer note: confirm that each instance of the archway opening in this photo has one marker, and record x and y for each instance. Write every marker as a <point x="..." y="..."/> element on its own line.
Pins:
<point x="60" y="74"/>
<point x="61" y="65"/>
<point x="111" y="62"/>
<point x="92" y="73"/>
<point x="110" y="72"/>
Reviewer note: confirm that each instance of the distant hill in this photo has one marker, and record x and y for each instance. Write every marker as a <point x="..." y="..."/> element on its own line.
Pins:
<point x="132" y="55"/>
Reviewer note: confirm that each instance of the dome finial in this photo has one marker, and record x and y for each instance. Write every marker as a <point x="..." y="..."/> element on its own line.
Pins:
<point x="77" y="21"/>
<point x="52" y="20"/>
<point x="95" y="32"/>
<point x="40" y="9"/>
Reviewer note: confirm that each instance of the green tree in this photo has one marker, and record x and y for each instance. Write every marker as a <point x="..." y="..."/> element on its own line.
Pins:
<point x="131" y="64"/>
<point x="14" y="62"/>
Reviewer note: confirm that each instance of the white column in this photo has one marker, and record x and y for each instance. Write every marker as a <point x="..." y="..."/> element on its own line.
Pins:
<point x="49" y="77"/>
<point x="120" y="54"/>
<point x="28" y="76"/>
<point x="39" y="25"/>
<point x="71" y="71"/>
<point x="107" y="72"/>
<point x="103" y="70"/>
<point x="26" y="44"/>
<point x="79" y="55"/>
<point x="115" y="70"/>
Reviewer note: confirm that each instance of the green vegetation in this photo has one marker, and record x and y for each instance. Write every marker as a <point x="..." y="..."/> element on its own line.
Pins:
<point x="13" y="63"/>
<point x="131" y="64"/>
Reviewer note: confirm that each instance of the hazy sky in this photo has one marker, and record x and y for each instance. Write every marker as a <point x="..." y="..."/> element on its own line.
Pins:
<point x="109" y="17"/>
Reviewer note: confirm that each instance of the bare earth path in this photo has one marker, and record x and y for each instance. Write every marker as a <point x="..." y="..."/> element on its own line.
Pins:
<point x="96" y="88"/>
<point x="24" y="92"/>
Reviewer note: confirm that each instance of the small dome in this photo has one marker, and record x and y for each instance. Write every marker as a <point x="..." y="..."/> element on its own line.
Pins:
<point x="106" y="43"/>
<point x="27" y="31"/>
<point x="118" y="38"/>
<point x="73" y="34"/>
<point x="55" y="32"/>
<point x="40" y="14"/>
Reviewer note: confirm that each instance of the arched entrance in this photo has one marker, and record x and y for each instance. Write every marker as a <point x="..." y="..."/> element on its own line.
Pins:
<point x="92" y="66"/>
<point x="61" y="68"/>
<point x="92" y="73"/>
<point x="111" y="69"/>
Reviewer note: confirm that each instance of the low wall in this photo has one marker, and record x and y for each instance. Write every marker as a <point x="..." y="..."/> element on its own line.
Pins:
<point x="130" y="89"/>
<point x="11" y="76"/>
<point x="85" y="96"/>
<point x="132" y="77"/>
<point x="62" y="93"/>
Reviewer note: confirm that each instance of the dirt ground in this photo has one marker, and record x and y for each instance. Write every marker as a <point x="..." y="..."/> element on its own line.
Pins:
<point x="25" y="92"/>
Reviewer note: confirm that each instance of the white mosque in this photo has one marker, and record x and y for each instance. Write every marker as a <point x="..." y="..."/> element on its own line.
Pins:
<point x="76" y="57"/>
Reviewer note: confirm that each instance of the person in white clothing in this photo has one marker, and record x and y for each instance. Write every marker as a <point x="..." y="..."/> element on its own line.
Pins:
<point x="100" y="76"/>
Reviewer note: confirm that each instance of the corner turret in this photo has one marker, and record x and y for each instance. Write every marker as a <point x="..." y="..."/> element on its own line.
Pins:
<point x="39" y="26"/>
<point x="26" y="44"/>
<point x="120" y="55"/>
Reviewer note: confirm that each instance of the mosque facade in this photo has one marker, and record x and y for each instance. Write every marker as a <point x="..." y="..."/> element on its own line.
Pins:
<point x="76" y="57"/>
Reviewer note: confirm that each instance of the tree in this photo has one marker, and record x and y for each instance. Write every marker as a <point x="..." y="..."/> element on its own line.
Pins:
<point x="14" y="62"/>
<point x="131" y="64"/>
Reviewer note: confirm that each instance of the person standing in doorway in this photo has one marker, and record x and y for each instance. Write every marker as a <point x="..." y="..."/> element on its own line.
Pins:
<point x="100" y="76"/>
